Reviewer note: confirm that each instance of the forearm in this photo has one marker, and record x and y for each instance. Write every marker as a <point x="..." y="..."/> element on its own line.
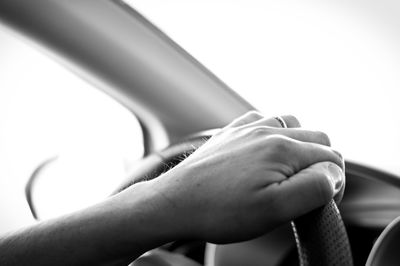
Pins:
<point x="123" y="226"/>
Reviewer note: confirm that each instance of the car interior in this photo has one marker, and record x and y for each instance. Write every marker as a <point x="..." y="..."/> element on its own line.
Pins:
<point x="179" y="104"/>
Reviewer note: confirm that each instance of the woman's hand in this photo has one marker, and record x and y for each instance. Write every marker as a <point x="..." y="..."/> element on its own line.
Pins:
<point x="249" y="178"/>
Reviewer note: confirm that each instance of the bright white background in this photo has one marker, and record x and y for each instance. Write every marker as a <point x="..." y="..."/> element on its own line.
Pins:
<point x="333" y="64"/>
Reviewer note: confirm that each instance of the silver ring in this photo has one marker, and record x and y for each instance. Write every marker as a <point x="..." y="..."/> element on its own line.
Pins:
<point x="281" y="121"/>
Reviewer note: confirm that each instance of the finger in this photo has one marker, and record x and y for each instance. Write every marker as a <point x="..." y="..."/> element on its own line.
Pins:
<point x="310" y="188"/>
<point x="290" y="121"/>
<point x="270" y="122"/>
<point x="339" y="196"/>
<point x="254" y="116"/>
<point x="247" y="118"/>
<point x="297" y="155"/>
<point x="294" y="133"/>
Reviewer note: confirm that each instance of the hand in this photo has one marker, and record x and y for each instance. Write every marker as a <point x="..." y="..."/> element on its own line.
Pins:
<point x="249" y="178"/>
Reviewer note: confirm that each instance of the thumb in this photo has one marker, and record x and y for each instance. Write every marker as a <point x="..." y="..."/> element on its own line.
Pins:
<point x="308" y="189"/>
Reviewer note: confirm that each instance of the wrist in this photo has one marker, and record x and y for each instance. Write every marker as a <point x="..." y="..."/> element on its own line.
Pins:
<point x="147" y="217"/>
<point x="174" y="190"/>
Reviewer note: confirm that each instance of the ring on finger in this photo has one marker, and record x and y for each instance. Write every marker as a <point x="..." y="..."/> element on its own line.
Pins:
<point x="281" y="121"/>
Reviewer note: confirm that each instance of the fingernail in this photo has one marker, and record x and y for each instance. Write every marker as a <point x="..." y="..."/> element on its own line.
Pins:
<point x="336" y="176"/>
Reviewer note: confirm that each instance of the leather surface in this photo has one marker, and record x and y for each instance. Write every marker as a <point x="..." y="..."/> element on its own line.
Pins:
<point x="321" y="238"/>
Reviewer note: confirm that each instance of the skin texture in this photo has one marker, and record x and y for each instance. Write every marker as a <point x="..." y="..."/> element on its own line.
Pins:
<point x="246" y="180"/>
<point x="249" y="178"/>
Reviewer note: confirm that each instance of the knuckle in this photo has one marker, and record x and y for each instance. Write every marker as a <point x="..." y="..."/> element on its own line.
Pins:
<point x="279" y="143"/>
<point x="260" y="131"/>
<point x="248" y="117"/>
<point x="253" y="114"/>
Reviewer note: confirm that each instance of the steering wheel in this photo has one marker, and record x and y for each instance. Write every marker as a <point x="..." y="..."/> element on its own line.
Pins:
<point x="321" y="237"/>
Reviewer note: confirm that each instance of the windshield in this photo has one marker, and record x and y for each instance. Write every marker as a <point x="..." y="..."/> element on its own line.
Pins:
<point x="334" y="65"/>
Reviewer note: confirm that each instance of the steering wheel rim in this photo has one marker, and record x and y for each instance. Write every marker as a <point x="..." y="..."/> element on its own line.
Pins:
<point x="321" y="237"/>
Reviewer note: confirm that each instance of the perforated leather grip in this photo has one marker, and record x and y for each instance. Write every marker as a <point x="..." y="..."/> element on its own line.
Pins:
<point x="321" y="238"/>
